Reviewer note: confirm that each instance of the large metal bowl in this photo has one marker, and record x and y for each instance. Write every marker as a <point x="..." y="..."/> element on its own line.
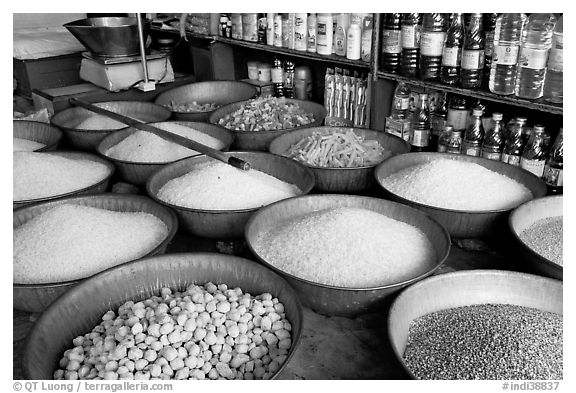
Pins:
<point x="138" y="172"/>
<point x="525" y="216"/>
<point x="108" y="36"/>
<point x="341" y="180"/>
<point x="68" y="120"/>
<point x="260" y="140"/>
<point x="226" y="224"/>
<point x="81" y="308"/>
<point x="38" y="132"/>
<point x="96" y="188"/>
<point x="466" y="288"/>
<point x="36" y="297"/>
<point x="209" y="92"/>
<point x="332" y="300"/>
<point x="461" y="223"/>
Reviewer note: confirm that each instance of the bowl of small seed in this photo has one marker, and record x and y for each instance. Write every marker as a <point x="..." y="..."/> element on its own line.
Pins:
<point x="479" y="324"/>
<point x="537" y="229"/>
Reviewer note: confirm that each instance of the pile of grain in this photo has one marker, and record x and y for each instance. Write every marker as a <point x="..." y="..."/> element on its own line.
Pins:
<point x="489" y="341"/>
<point x="100" y="122"/>
<point x="42" y="175"/>
<point x="346" y="247"/>
<point x="545" y="237"/>
<point x="70" y="242"/>
<point x="217" y="186"/>
<point x="20" y="144"/>
<point x="191" y="107"/>
<point x="457" y="185"/>
<point x="145" y="147"/>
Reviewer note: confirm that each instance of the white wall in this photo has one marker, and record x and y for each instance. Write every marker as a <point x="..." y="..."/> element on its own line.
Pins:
<point x="44" y="20"/>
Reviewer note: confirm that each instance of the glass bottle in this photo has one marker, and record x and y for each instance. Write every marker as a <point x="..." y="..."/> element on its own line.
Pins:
<point x="514" y="143"/>
<point x="452" y="51"/>
<point x="472" y="143"/>
<point x="288" y="84"/>
<point x="262" y="28"/>
<point x="454" y="143"/>
<point x="534" y="156"/>
<point x="493" y="143"/>
<point x="278" y="78"/>
<point x="489" y="24"/>
<point x="553" y="84"/>
<point x="420" y="130"/>
<point x="444" y="139"/>
<point x="472" y="65"/>
<point x="410" y="43"/>
<point x="439" y="121"/>
<point x="391" y="48"/>
<point x="434" y="27"/>
<point x="554" y="168"/>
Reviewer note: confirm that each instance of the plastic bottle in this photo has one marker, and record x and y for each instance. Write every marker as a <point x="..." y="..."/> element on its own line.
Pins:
<point x="439" y="122"/>
<point x="534" y="156"/>
<point x="514" y="144"/>
<point x="489" y="24"/>
<point x="354" y="42"/>
<point x="398" y="123"/>
<point x="504" y="66"/>
<point x="262" y="28"/>
<point x="472" y="143"/>
<point x="300" y="32"/>
<point x="553" y="84"/>
<point x="410" y="43"/>
<point x="493" y="143"/>
<point x="420" y="130"/>
<point x="434" y="27"/>
<point x="341" y="34"/>
<point x="286" y="30"/>
<point x="472" y="66"/>
<point x="278" y="30"/>
<point x="312" y="23"/>
<point x="366" y="51"/>
<point x="269" y="28"/>
<point x="324" y="34"/>
<point x="278" y="78"/>
<point x="444" y="139"/>
<point x="554" y="168"/>
<point x="454" y="145"/>
<point x="391" y="46"/>
<point x="452" y="51"/>
<point x="458" y="112"/>
<point x="534" y="49"/>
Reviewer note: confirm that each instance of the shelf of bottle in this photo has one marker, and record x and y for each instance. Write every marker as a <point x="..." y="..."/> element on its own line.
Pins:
<point x="539" y="105"/>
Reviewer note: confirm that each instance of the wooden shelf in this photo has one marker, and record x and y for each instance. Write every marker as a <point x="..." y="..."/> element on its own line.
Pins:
<point x="539" y="105"/>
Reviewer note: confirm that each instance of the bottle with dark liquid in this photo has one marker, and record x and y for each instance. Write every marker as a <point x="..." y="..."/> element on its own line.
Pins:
<point x="514" y="143"/>
<point x="420" y="130"/>
<point x="439" y="120"/>
<point x="288" y="83"/>
<point x="554" y="168"/>
<point x="410" y="43"/>
<point x="434" y="27"/>
<point x="391" y="47"/>
<point x="534" y="156"/>
<point x="472" y="65"/>
<point x="489" y="24"/>
<point x="493" y="143"/>
<point x="452" y="51"/>
<point x="278" y="78"/>
<point x="472" y="143"/>
<point x="444" y="139"/>
<point x="454" y="143"/>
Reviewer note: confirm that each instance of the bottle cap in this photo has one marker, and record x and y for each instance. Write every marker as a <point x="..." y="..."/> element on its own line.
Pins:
<point x="522" y="120"/>
<point x="497" y="116"/>
<point x="477" y="112"/>
<point x="539" y="128"/>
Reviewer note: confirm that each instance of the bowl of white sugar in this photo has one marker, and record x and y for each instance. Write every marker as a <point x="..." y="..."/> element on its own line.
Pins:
<point x="59" y="243"/>
<point x="84" y="129"/>
<point x="538" y="228"/>
<point x="34" y="136"/>
<point x="214" y="200"/>
<point x="44" y="176"/>
<point x="470" y="196"/>
<point x="137" y="154"/>
<point x="346" y="254"/>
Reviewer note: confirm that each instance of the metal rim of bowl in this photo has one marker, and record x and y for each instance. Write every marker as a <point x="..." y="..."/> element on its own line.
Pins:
<point x="431" y="279"/>
<point x="53" y="128"/>
<point x="420" y="204"/>
<point x="169" y="237"/>
<point x="441" y="261"/>
<point x="517" y="237"/>
<point x="204" y="211"/>
<point x="109" y="165"/>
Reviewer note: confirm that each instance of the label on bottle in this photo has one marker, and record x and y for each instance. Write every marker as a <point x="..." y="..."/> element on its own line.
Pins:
<point x="534" y="166"/>
<point x="471" y="150"/>
<point x="492" y="155"/>
<point x="277" y="75"/>
<point x="555" y="60"/>
<point x="300" y="32"/>
<point x="553" y="176"/>
<point x="401" y="103"/>
<point x="391" y="41"/>
<point x="420" y="138"/>
<point x="410" y="37"/>
<point x="324" y="37"/>
<point x="510" y="159"/>
<point x="457" y="119"/>
<point x="451" y="56"/>
<point x="431" y="43"/>
<point x="472" y="59"/>
<point x="533" y="58"/>
<point x="505" y="54"/>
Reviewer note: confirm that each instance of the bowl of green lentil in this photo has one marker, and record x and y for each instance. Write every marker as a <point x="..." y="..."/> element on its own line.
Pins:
<point x="537" y="229"/>
<point x="479" y="324"/>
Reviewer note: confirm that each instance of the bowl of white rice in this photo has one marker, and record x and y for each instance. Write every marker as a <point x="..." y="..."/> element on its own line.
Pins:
<point x="346" y="254"/>
<point x="146" y="283"/>
<point x="59" y="243"/>
<point x="256" y="122"/>
<point x="537" y="227"/>
<point x="214" y="200"/>
<point x="197" y="101"/>
<point x="34" y="136"/>
<point x="137" y="154"/>
<point x="342" y="159"/>
<point x="84" y="129"/>
<point x="43" y="176"/>
<point x="470" y="196"/>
